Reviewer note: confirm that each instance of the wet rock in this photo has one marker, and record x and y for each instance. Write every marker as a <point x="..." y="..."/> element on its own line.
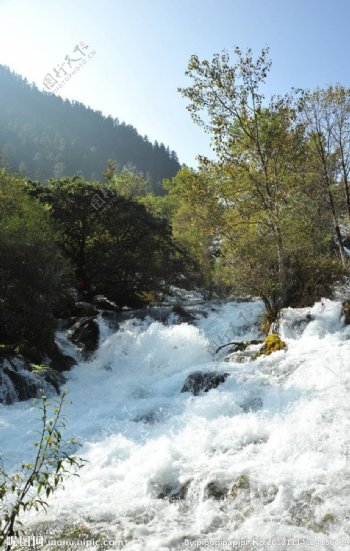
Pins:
<point x="102" y="303"/>
<point x="24" y="386"/>
<point x="215" y="490"/>
<point x="241" y="484"/>
<point x="242" y="357"/>
<point x="19" y="381"/>
<point x="267" y="494"/>
<point x="185" y="317"/>
<point x="346" y="312"/>
<point x="305" y="512"/>
<point x="59" y="361"/>
<point x="30" y="352"/>
<point x="174" y="494"/>
<point x="248" y="494"/>
<point x="50" y="355"/>
<point x="85" y="335"/>
<point x="203" y="381"/>
<point x="55" y="378"/>
<point x="304" y="509"/>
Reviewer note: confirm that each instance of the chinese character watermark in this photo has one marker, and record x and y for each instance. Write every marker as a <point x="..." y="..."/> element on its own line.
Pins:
<point x="103" y="200"/>
<point x="70" y="66"/>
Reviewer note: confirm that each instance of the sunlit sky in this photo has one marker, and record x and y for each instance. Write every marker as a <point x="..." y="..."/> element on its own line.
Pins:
<point x="143" y="47"/>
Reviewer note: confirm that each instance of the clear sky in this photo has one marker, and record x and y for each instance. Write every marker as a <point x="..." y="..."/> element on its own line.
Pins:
<point x="143" y="47"/>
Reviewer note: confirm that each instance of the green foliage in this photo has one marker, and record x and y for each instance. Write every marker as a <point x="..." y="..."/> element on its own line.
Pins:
<point x="33" y="272"/>
<point x="326" y="117"/>
<point x="195" y="218"/>
<point x="30" y="487"/>
<point x="125" y="183"/>
<point x="268" y="210"/>
<point x="117" y="247"/>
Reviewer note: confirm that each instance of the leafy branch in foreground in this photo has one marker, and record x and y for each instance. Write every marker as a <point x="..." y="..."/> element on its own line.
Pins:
<point x="35" y="482"/>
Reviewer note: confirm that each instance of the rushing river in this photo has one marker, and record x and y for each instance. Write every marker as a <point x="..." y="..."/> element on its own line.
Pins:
<point x="260" y="462"/>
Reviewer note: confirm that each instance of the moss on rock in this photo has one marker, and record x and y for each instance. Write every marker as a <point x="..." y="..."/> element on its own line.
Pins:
<point x="272" y="343"/>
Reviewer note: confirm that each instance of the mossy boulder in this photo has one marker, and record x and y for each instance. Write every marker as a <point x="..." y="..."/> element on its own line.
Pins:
<point x="241" y="484"/>
<point x="271" y="344"/>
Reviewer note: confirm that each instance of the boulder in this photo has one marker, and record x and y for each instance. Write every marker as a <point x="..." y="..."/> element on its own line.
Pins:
<point x="24" y="386"/>
<point x="19" y="381"/>
<point x="215" y="490"/>
<point x="346" y="312"/>
<point x="85" y="335"/>
<point x="272" y="343"/>
<point x="102" y="303"/>
<point x="203" y="381"/>
<point x="185" y="317"/>
<point x="176" y="493"/>
<point x="30" y="352"/>
<point x="59" y="361"/>
<point x="241" y="484"/>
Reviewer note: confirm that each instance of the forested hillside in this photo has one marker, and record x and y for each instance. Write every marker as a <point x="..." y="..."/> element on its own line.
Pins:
<point x="43" y="136"/>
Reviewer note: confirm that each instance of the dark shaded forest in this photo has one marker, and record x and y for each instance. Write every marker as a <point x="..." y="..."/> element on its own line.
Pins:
<point x="43" y="136"/>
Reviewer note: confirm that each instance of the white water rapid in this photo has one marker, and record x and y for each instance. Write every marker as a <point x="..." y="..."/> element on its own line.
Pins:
<point x="265" y="455"/>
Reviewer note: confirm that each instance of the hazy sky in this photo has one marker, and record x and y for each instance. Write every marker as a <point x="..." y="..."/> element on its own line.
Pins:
<point x="143" y="46"/>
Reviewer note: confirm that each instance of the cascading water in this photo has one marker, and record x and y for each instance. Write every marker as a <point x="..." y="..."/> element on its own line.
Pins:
<point x="260" y="462"/>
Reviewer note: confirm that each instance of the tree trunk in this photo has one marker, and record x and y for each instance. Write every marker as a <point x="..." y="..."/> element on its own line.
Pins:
<point x="282" y="271"/>
<point x="335" y="221"/>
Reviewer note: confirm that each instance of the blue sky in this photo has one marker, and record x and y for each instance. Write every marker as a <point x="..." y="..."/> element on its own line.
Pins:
<point x="143" y="47"/>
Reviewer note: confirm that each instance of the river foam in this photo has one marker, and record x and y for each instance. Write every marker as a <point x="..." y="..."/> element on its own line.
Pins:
<point x="265" y="454"/>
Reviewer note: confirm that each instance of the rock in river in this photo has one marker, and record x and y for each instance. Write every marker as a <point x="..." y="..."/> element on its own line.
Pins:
<point x="203" y="381"/>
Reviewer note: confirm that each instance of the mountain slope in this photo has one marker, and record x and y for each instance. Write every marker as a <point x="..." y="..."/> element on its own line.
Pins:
<point x="43" y="136"/>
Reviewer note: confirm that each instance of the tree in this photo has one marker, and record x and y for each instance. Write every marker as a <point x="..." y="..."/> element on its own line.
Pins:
<point x="259" y="179"/>
<point x="133" y="255"/>
<point x="127" y="182"/>
<point x="326" y="117"/>
<point x="34" y="275"/>
<point x="195" y="219"/>
<point x="75" y="207"/>
<point x="117" y="247"/>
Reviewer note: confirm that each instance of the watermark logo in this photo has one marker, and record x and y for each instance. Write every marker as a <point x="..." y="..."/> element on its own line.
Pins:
<point x="103" y="200"/>
<point x="70" y="66"/>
